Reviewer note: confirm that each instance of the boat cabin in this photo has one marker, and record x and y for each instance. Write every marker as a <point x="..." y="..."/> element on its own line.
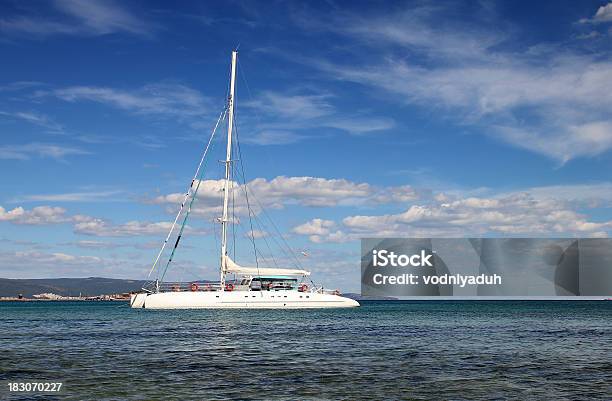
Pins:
<point x="270" y="283"/>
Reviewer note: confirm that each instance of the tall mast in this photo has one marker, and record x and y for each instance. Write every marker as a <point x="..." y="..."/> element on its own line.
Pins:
<point x="228" y="161"/>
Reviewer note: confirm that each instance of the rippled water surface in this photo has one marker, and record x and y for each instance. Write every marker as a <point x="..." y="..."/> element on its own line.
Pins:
<point x="383" y="350"/>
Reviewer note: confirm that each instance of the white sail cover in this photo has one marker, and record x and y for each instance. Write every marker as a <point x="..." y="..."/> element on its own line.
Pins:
<point x="233" y="267"/>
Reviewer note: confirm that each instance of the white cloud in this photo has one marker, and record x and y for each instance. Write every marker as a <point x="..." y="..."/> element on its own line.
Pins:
<point x="291" y="118"/>
<point x="44" y="150"/>
<point x="417" y="27"/>
<point x="360" y="125"/>
<point x="534" y="212"/>
<point x="292" y="106"/>
<point x="90" y="244"/>
<point x="283" y="191"/>
<point x="78" y="17"/>
<point x="154" y="99"/>
<point x="34" y="118"/>
<point x="400" y="194"/>
<point x="256" y="234"/>
<point x="103" y="17"/>
<point x="56" y="258"/>
<point x="320" y="192"/>
<point x="87" y="225"/>
<point x="94" y="196"/>
<point x="208" y="202"/>
<point x="316" y="229"/>
<point x="568" y="101"/>
<point x="40" y="215"/>
<point x="549" y="100"/>
<point x="37" y="264"/>
<point x="308" y="191"/>
<point x="582" y="196"/>
<point x="273" y="137"/>
<point x="603" y="15"/>
<point x="36" y="26"/>
<point x="589" y="139"/>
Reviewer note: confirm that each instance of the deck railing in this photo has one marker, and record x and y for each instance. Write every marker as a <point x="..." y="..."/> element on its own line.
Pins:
<point x="194" y="286"/>
<point x="205" y="286"/>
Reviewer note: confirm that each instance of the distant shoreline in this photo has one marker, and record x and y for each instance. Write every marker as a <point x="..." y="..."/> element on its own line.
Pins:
<point x="60" y="300"/>
<point x="390" y="300"/>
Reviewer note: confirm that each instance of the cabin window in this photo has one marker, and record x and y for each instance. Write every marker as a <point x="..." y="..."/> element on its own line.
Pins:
<point x="273" y="283"/>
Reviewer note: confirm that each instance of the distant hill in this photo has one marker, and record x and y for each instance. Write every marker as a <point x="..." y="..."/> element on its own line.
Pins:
<point x="89" y="286"/>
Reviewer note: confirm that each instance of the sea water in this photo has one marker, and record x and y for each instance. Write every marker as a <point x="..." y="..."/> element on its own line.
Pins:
<point x="384" y="350"/>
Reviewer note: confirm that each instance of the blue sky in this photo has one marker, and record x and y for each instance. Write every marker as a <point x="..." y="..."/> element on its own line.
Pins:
<point x="355" y="119"/>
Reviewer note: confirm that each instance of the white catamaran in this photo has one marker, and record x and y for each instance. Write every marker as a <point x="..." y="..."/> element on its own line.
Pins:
<point x="251" y="287"/>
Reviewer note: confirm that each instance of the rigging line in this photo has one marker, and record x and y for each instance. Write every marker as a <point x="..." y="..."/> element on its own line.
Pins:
<point x="284" y="247"/>
<point x="233" y="209"/>
<point x="261" y="255"/>
<point x="187" y="193"/>
<point x="217" y="247"/>
<point x="214" y="225"/>
<point x="246" y="84"/>
<point x="234" y="134"/>
<point x="262" y="227"/>
<point x="247" y="198"/>
<point x="233" y="179"/>
<point x="193" y="198"/>
<point x="178" y="238"/>
<point x="248" y="88"/>
<point x="270" y="252"/>
<point x="288" y="248"/>
<point x="188" y="271"/>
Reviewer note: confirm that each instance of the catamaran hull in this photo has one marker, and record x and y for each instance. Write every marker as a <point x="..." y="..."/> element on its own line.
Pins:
<point x="240" y="300"/>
